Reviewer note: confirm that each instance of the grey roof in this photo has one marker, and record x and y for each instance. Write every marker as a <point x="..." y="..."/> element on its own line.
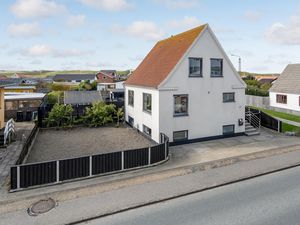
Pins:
<point x="82" y="97"/>
<point x="288" y="81"/>
<point x="74" y="77"/>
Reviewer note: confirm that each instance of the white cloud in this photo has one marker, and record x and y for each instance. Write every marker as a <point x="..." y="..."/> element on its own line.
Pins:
<point x="285" y="33"/>
<point x="108" y="5"/>
<point x="76" y="20"/>
<point x="253" y="16"/>
<point x="186" y="23"/>
<point x="38" y="50"/>
<point x="178" y="4"/>
<point x="146" y="30"/>
<point x="36" y="8"/>
<point x="24" y="30"/>
<point x="42" y="50"/>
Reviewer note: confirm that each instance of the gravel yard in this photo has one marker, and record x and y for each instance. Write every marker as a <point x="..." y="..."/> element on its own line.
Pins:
<point x="83" y="141"/>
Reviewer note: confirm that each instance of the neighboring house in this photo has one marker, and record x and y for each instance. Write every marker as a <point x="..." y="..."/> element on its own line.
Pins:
<point x="266" y="79"/>
<point x="112" y="73"/>
<point x="22" y="89"/>
<point x="82" y="97"/>
<point x="285" y="92"/>
<point x="105" y="78"/>
<point x="22" y="106"/>
<point x="188" y="89"/>
<point x="74" y="78"/>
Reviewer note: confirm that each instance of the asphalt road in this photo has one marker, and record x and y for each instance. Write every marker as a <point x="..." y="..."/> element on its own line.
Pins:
<point x="272" y="199"/>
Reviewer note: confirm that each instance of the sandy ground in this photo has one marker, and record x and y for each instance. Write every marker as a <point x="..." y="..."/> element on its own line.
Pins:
<point x="77" y="142"/>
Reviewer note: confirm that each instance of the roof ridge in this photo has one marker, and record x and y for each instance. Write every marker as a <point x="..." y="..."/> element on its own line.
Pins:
<point x="184" y="33"/>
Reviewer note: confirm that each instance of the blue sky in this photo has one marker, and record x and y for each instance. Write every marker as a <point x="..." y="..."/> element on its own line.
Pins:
<point x="117" y="34"/>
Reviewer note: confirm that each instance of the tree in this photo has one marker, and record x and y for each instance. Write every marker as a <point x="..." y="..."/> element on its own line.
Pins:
<point x="99" y="114"/>
<point x="60" y="115"/>
<point x="119" y="115"/>
<point x="55" y="97"/>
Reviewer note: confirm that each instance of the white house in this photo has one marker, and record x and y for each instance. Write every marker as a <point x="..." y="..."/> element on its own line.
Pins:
<point x="285" y="92"/>
<point x="188" y="89"/>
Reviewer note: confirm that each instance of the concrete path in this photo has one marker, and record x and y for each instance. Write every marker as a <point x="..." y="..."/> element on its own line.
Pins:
<point x="268" y="200"/>
<point x="288" y="122"/>
<point x="132" y="196"/>
<point x="9" y="155"/>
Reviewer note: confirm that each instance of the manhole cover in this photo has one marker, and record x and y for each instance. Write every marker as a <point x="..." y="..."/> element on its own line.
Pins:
<point x="41" y="207"/>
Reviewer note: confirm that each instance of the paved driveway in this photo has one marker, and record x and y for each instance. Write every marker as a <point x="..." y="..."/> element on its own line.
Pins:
<point x="229" y="147"/>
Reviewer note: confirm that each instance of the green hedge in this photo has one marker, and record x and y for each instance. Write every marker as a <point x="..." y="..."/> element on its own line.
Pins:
<point x="253" y="90"/>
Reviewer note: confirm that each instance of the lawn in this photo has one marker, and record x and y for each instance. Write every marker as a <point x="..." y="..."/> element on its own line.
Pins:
<point x="281" y="115"/>
<point x="289" y="128"/>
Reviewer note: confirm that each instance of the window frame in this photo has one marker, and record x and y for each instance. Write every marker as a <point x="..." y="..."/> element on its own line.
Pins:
<point x="146" y="133"/>
<point x="229" y="125"/>
<point x="184" y="139"/>
<point x="145" y="108"/>
<point x="222" y="69"/>
<point x="187" y="105"/>
<point x="280" y="99"/>
<point x="129" y="102"/>
<point x="201" y="67"/>
<point x="227" y="93"/>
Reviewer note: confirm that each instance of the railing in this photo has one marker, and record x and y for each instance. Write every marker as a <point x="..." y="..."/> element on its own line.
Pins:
<point x="266" y="120"/>
<point x="253" y="119"/>
<point x="53" y="172"/>
<point x="9" y="130"/>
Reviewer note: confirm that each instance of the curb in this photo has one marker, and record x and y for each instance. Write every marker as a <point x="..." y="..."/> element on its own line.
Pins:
<point x="184" y="194"/>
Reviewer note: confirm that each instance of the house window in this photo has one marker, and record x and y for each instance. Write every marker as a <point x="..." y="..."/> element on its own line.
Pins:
<point x="228" y="129"/>
<point x="180" y="105"/>
<point x="130" y="97"/>
<point x="195" y="67"/>
<point x="228" y="97"/>
<point x="147" y="102"/>
<point x="216" y="67"/>
<point x="147" y="130"/>
<point x="281" y="99"/>
<point x="180" y="135"/>
<point x="130" y="120"/>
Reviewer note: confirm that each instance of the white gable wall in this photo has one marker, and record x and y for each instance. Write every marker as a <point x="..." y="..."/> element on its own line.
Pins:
<point x="207" y="112"/>
<point x="292" y="101"/>
<point x="136" y="112"/>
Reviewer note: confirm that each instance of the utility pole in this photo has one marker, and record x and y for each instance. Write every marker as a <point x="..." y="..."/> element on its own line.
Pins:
<point x="240" y="61"/>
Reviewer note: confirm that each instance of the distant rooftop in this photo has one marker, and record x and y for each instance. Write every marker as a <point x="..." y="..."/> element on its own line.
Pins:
<point x="69" y="77"/>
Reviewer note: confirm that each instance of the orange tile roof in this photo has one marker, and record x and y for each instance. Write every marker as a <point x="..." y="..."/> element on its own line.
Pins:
<point x="163" y="58"/>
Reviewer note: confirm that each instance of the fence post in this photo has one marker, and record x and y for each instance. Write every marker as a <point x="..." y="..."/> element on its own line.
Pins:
<point x="91" y="165"/>
<point x="279" y="126"/>
<point x="165" y="149"/>
<point x="57" y="171"/>
<point x="122" y="160"/>
<point x="18" y="177"/>
<point x="149" y="154"/>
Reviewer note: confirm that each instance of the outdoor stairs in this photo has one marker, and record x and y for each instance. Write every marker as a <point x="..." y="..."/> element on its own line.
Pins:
<point x="251" y="130"/>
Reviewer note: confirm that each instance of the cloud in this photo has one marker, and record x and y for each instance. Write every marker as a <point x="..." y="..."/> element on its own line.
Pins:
<point x="285" y="33"/>
<point x="108" y="5"/>
<point x="24" y="30"/>
<point x="74" y="21"/>
<point x="146" y="30"/>
<point x="36" y="8"/>
<point x="186" y="23"/>
<point x="178" y="4"/>
<point x="42" y="50"/>
<point x="253" y="16"/>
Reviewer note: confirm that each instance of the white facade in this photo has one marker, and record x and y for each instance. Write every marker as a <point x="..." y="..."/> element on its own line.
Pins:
<point x="291" y="104"/>
<point x="207" y="113"/>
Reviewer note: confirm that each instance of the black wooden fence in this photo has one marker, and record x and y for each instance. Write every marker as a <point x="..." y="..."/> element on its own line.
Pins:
<point x="267" y="120"/>
<point x="28" y="175"/>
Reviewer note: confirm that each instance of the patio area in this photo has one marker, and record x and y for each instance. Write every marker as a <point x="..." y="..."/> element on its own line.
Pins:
<point x="53" y="144"/>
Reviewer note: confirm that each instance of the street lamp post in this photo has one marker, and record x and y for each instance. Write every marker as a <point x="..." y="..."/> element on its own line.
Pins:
<point x="240" y="61"/>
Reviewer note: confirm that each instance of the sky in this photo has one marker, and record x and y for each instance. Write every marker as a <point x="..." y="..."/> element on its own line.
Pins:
<point x="118" y="34"/>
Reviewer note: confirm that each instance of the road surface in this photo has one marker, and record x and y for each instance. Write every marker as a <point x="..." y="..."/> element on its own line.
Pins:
<point x="272" y="199"/>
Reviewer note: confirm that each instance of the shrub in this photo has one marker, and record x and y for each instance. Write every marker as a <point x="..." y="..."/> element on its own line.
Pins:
<point x="60" y="115"/>
<point x="55" y="97"/>
<point x="99" y="114"/>
<point x="253" y="90"/>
